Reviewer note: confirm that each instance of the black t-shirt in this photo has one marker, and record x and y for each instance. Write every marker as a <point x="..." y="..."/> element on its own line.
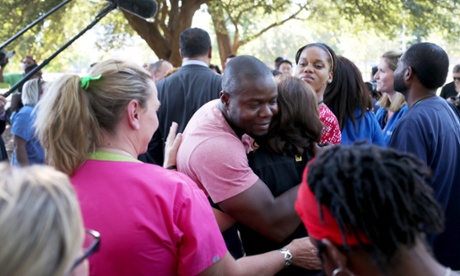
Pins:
<point x="279" y="173"/>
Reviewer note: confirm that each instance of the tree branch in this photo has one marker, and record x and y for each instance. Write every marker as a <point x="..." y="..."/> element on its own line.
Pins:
<point x="238" y="17"/>
<point x="229" y="13"/>
<point x="279" y="23"/>
<point x="162" y="17"/>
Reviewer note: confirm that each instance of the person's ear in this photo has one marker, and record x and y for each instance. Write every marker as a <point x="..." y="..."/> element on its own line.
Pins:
<point x="210" y="53"/>
<point x="154" y="74"/>
<point x="133" y="110"/>
<point x="180" y="53"/>
<point x="333" y="256"/>
<point x="408" y="74"/>
<point x="224" y="98"/>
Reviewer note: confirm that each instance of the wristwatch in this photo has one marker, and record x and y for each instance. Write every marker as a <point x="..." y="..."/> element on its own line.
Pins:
<point x="287" y="256"/>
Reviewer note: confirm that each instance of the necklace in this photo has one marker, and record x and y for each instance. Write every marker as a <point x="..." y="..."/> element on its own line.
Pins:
<point x="114" y="150"/>
<point x="424" y="98"/>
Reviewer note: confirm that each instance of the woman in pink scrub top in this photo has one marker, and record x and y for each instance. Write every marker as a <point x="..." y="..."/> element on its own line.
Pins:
<point x="152" y="221"/>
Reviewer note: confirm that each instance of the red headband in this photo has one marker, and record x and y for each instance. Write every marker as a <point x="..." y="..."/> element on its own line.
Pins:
<point x="308" y="209"/>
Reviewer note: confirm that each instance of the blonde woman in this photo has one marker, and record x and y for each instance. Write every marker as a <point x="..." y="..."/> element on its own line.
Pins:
<point x="41" y="229"/>
<point x="27" y="148"/>
<point x="392" y="102"/>
<point x="153" y="220"/>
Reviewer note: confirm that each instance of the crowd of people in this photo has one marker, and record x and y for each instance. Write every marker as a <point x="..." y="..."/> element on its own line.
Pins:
<point x="156" y="170"/>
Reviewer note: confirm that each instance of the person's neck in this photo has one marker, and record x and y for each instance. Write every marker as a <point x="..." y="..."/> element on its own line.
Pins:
<point x="320" y="97"/>
<point x="117" y="145"/>
<point x="204" y="59"/>
<point x="417" y="261"/>
<point x="417" y="93"/>
<point x="410" y="261"/>
<point x="237" y="131"/>
<point x="391" y="96"/>
<point x="413" y="99"/>
<point x="116" y="150"/>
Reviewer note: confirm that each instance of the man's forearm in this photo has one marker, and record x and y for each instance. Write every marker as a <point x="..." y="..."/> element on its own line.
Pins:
<point x="274" y="218"/>
<point x="284" y="217"/>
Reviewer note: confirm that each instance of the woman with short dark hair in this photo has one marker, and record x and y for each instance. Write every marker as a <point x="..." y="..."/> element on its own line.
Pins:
<point x="281" y="156"/>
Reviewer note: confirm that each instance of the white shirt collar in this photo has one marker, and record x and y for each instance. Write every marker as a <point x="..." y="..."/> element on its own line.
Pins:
<point x="194" y="62"/>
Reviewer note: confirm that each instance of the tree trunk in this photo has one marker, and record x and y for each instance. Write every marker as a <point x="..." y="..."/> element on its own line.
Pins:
<point x="224" y="41"/>
<point x="162" y="35"/>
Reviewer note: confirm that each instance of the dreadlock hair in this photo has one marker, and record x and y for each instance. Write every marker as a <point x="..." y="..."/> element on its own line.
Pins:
<point x="379" y="192"/>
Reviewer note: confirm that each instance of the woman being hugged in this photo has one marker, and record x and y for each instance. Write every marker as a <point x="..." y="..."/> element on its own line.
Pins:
<point x="316" y="66"/>
<point x="281" y="157"/>
<point x="392" y="102"/>
<point x="152" y="220"/>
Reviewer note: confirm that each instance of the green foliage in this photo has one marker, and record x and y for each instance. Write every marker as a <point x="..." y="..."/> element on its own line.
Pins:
<point x="48" y="36"/>
<point x="336" y="22"/>
<point x="114" y="32"/>
<point x="247" y="20"/>
<point x="20" y="13"/>
<point x="419" y="18"/>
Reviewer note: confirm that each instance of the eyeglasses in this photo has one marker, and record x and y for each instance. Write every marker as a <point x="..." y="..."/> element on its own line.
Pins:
<point x="456" y="78"/>
<point x="90" y="245"/>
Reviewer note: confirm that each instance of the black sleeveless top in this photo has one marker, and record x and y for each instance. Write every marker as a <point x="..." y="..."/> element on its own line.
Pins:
<point x="279" y="173"/>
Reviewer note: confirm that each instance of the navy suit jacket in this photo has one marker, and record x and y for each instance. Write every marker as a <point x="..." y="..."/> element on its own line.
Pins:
<point x="181" y="95"/>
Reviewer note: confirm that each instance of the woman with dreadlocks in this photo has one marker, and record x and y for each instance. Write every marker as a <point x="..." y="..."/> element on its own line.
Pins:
<point x="367" y="210"/>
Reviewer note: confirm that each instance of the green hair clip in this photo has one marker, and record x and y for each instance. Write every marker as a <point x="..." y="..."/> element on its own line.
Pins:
<point x="85" y="81"/>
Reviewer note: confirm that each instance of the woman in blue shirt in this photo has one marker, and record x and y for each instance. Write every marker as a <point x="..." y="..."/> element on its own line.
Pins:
<point x="27" y="148"/>
<point x="393" y="103"/>
<point x="348" y="98"/>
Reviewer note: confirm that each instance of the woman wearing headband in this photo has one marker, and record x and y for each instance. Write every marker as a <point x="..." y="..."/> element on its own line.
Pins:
<point x="316" y="66"/>
<point x="153" y="220"/>
<point x="367" y="209"/>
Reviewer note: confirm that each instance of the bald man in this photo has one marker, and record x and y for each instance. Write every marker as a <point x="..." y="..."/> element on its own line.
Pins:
<point x="159" y="69"/>
<point x="213" y="155"/>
